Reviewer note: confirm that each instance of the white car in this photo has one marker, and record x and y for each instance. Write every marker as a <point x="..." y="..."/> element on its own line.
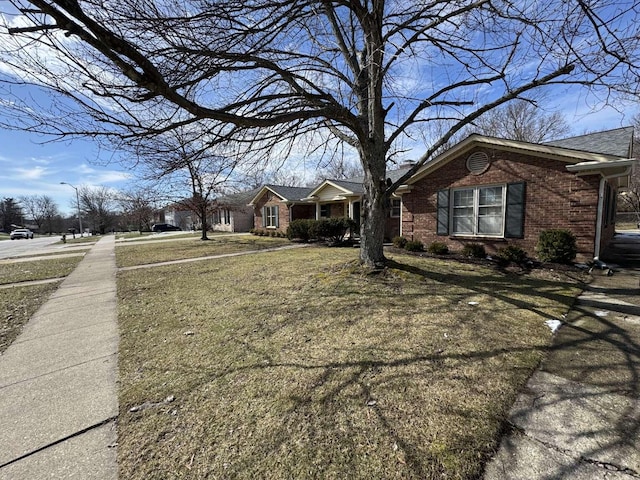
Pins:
<point x="21" y="233"/>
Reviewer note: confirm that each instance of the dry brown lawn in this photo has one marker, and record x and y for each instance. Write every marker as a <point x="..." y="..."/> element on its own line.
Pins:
<point x="299" y="365"/>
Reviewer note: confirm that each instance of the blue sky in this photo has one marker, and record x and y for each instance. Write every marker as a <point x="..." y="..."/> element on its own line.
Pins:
<point x="29" y="167"/>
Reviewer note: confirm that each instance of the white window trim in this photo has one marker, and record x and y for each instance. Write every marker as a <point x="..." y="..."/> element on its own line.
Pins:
<point x="269" y="215"/>
<point x="476" y="209"/>
<point x="399" y="200"/>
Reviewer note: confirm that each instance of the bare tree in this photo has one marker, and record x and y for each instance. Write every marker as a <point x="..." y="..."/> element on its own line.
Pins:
<point x="41" y="208"/>
<point x="97" y="205"/>
<point x="268" y="76"/>
<point x="186" y="157"/>
<point x="138" y="206"/>
<point x="521" y="120"/>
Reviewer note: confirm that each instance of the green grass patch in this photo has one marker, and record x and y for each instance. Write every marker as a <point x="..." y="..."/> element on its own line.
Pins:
<point x="131" y="254"/>
<point x="17" y="305"/>
<point x="38" y="269"/>
<point x="298" y="365"/>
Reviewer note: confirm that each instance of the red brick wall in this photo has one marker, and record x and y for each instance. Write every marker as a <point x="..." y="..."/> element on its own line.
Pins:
<point x="269" y="200"/>
<point x="555" y="198"/>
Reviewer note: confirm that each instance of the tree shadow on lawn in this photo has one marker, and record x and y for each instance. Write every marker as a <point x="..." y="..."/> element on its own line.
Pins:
<point x="594" y="393"/>
<point x="434" y="414"/>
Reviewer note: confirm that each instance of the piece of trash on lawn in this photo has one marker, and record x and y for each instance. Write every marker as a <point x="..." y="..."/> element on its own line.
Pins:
<point x="474" y="303"/>
<point x="554" y="325"/>
<point x="602" y="313"/>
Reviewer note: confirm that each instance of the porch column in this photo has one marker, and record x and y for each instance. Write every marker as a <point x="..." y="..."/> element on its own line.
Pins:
<point x="350" y="209"/>
<point x="317" y="210"/>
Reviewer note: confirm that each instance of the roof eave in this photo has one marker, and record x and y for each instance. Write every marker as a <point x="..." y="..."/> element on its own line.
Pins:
<point x="557" y="153"/>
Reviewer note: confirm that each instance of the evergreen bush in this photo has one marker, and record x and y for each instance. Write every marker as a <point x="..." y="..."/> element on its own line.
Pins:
<point x="475" y="250"/>
<point x="556" y="245"/>
<point x="438" y="248"/>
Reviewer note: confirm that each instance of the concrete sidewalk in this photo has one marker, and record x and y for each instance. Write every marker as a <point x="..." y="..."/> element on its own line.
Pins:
<point x="579" y="415"/>
<point x="58" y="394"/>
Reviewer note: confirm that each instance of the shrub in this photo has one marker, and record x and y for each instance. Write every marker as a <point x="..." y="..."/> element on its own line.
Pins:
<point x="475" y="250"/>
<point x="556" y="245"/>
<point x="332" y="230"/>
<point x="414" y="246"/>
<point x="300" y="229"/>
<point x="399" y="242"/>
<point x="513" y="254"/>
<point x="438" y="248"/>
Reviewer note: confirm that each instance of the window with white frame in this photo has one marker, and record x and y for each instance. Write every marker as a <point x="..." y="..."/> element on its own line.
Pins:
<point x="270" y="216"/>
<point x="227" y="216"/>
<point x="478" y="211"/>
<point x="396" y="207"/>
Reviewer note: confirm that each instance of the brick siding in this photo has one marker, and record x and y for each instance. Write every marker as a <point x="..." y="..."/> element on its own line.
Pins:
<point x="555" y="198"/>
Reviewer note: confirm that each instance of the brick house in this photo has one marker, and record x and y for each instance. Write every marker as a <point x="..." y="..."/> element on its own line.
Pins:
<point x="498" y="192"/>
<point x="484" y="190"/>
<point x="275" y="205"/>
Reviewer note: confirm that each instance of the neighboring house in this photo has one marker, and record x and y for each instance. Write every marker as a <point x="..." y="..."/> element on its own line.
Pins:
<point x="498" y="192"/>
<point x="232" y="213"/>
<point x="275" y="206"/>
<point x="177" y="215"/>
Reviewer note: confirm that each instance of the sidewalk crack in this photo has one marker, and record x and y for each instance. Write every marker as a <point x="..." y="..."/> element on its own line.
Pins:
<point x="59" y="441"/>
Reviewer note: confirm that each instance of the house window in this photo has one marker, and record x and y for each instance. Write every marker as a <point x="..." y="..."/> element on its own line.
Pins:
<point x="216" y="217"/>
<point x="270" y="216"/>
<point x="227" y="216"/>
<point x="396" y="207"/>
<point x="325" y="210"/>
<point x="478" y="211"/>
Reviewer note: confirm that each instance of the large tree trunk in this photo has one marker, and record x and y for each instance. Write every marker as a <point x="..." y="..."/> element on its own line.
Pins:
<point x="374" y="208"/>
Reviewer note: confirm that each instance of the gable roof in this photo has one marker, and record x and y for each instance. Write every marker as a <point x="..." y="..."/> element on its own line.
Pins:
<point x="574" y="157"/>
<point x="239" y="199"/>
<point x="618" y="142"/>
<point x="287" y="194"/>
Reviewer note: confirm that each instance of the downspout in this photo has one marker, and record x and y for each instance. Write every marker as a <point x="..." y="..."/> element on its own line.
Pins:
<point x="401" y="210"/>
<point x="603" y="180"/>
<point x="596" y="247"/>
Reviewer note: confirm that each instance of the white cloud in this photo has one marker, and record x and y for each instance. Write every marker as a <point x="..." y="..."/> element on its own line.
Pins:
<point x="34" y="173"/>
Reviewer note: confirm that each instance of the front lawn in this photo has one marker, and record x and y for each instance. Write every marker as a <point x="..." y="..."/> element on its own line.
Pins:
<point x="129" y="254"/>
<point x="18" y="303"/>
<point x="298" y="365"/>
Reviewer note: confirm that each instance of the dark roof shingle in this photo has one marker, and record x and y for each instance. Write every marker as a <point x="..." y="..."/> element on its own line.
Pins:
<point x="617" y="142"/>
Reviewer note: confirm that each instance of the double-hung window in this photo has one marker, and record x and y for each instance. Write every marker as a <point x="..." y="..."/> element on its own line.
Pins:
<point x="478" y="211"/>
<point x="270" y="216"/>
<point x="396" y="208"/>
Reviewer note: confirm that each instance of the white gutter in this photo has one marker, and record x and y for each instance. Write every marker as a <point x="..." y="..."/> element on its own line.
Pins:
<point x="603" y="180"/>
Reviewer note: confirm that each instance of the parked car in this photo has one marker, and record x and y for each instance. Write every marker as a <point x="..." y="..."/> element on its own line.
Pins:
<point x="21" y="233"/>
<point x="164" y="227"/>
